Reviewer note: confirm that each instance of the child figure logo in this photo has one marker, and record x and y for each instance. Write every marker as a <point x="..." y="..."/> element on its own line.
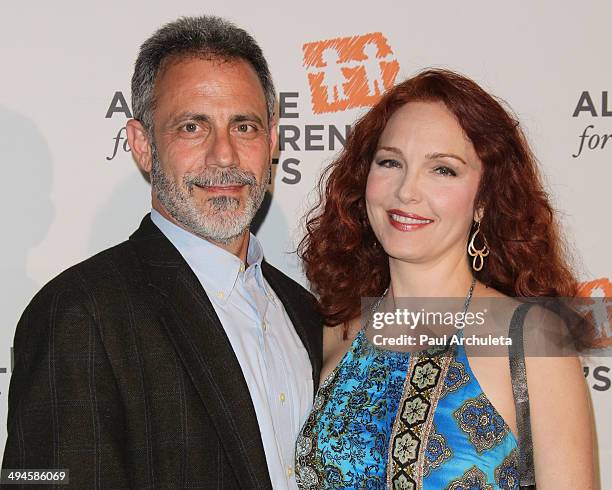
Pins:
<point x="349" y="72"/>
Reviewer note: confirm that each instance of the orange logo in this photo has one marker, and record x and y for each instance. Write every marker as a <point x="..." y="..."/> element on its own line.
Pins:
<point x="599" y="308"/>
<point x="349" y="72"/>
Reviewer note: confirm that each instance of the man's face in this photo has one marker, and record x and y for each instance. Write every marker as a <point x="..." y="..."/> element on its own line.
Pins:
<point x="212" y="146"/>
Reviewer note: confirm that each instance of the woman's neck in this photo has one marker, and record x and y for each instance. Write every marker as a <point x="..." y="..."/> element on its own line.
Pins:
<point x="444" y="278"/>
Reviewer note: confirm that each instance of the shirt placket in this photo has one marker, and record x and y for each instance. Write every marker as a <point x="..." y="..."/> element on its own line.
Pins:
<point x="279" y="393"/>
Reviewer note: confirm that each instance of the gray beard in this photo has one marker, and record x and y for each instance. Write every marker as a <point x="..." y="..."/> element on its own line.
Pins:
<point x="222" y="221"/>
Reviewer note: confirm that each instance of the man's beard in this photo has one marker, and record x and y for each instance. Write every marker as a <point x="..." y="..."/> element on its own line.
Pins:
<point x="220" y="219"/>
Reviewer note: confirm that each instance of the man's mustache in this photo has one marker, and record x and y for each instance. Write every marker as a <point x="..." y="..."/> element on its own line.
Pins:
<point x="221" y="177"/>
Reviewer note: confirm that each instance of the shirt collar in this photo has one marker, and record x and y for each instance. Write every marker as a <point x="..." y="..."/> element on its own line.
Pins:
<point x="216" y="268"/>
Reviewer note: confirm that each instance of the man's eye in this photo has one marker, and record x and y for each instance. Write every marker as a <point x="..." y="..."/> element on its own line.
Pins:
<point x="190" y="127"/>
<point x="245" y="128"/>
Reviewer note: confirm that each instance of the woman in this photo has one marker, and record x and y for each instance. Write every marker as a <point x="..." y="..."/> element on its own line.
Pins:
<point x="437" y="194"/>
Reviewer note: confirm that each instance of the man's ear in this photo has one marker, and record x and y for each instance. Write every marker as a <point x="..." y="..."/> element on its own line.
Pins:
<point x="273" y="131"/>
<point x="138" y="140"/>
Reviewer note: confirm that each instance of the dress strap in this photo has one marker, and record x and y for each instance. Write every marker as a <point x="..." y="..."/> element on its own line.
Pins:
<point x="518" y="374"/>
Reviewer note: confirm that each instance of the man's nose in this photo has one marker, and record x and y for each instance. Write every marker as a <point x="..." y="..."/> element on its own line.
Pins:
<point x="222" y="152"/>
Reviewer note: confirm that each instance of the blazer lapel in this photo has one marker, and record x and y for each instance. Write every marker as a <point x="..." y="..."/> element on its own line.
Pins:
<point x="206" y="353"/>
<point x="300" y="307"/>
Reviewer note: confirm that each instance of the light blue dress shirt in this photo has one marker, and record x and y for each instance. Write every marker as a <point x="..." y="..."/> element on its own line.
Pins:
<point x="273" y="359"/>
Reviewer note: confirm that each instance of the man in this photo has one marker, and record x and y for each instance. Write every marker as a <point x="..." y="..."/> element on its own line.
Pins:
<point x="179" y="358"/>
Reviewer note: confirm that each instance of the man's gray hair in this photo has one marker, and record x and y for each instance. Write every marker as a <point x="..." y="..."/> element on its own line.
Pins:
<point x="207" y="37"/>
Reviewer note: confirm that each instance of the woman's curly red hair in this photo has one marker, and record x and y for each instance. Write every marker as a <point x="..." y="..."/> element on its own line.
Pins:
<point x="527" y="258"/>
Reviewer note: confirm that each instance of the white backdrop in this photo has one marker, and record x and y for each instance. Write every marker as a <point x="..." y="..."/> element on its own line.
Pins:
<point x="67" y="195"/>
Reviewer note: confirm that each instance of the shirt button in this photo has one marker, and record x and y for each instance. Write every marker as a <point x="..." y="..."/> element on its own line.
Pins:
<point x="264" y="325"/>
<point x="220" y="294"/>
<point x="241" y="267"/>
<point x="289" y="471"/>
<point x="282" y="397"/>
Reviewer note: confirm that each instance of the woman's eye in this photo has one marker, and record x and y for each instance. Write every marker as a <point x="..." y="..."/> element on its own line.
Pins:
<point x="388" y="163"/>
<point x="446" y="171"/>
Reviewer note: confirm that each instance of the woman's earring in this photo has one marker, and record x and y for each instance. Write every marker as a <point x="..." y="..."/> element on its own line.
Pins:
<point x="476" y="254"/>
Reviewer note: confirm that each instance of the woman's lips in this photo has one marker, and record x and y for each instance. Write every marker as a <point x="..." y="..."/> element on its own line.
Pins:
<point x="407" y="221"/>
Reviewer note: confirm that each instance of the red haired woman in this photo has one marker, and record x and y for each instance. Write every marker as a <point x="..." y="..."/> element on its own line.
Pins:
<point x="437" y="194"/>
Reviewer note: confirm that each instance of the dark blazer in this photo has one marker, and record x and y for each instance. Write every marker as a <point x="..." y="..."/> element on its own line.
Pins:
<point x="124" y="375"/>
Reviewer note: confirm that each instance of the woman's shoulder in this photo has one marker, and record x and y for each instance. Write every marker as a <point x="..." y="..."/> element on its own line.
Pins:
<point x="561" y="418"/>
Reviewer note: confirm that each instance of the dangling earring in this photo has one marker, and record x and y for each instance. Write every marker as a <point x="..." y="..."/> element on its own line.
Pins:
<point x="478" y="255"/>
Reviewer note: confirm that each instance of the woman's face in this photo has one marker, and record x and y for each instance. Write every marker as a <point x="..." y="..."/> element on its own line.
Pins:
<point x="422" y="185"/>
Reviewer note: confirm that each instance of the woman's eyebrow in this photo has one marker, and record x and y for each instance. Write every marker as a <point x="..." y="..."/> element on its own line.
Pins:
<point x="433" y="156"/>
<point x="391" y="149"/>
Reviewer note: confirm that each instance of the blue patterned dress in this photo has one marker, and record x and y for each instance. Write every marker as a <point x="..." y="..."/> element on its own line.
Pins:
<point x="385" y="419"/>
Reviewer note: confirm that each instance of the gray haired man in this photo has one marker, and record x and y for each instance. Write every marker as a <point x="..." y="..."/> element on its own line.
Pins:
<point x="180" y="357"/>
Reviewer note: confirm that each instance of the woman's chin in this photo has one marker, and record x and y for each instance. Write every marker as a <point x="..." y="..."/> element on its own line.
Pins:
<point x="403" y="254"/>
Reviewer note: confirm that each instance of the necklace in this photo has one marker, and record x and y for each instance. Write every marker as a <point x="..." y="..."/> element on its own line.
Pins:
<point x="466" y="304"/>
<point x="468" y="298"/>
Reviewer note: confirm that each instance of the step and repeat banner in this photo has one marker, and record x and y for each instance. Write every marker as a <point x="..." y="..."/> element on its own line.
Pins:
<point x="71" y="189"/>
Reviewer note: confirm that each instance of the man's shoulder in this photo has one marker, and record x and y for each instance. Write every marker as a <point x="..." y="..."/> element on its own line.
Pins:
<point x="78" y="295"/>
<point x="104" y="268"/>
